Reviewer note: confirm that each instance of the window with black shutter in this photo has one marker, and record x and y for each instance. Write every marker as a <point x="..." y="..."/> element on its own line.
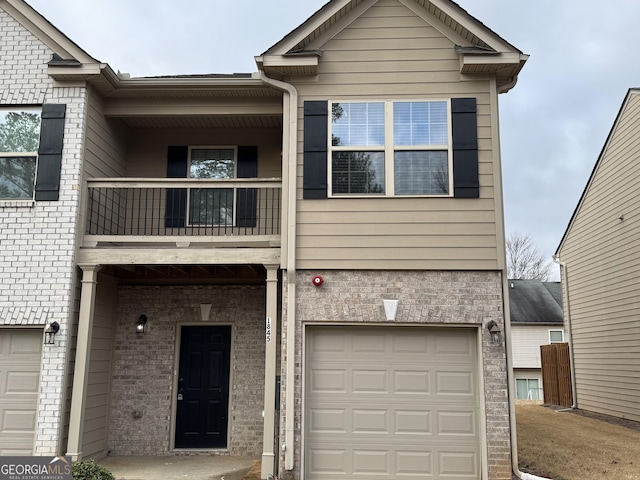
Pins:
<point x="391" y="148"/>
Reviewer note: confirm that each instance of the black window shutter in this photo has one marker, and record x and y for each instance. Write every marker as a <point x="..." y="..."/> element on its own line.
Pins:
<point x="315" y="149"/>
<point x="176" y="208"/>
<point x="464" y="125"/>
<point x="246" y="204"/>
<point x="47" y="186"/>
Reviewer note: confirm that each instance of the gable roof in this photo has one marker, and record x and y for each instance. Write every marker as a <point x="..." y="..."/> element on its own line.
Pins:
<point x="630" y="93"/>
<point x="534" y="301"/>
<point x="66" y="51"/>
<point x="481" y="50"/>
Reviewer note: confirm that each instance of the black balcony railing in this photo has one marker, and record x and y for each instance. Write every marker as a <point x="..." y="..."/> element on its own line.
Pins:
<point x="129" y="210"/>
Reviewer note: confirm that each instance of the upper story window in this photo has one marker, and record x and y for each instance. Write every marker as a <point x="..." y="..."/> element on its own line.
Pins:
<point x="391" y="148"/>
<point x="556" y="336"/>
<point x="19" y="137"/>
<point x="212" y="206"/>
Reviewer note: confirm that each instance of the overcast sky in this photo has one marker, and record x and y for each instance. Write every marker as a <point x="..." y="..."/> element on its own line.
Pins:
<point x="584" y="57"/>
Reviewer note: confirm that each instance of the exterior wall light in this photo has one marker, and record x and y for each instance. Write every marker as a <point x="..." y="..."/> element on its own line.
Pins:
<point x="50" y="333"/>
<point x="390" y="309"/>
<point x="140" y="324"/>
<point x="495" y="332"/>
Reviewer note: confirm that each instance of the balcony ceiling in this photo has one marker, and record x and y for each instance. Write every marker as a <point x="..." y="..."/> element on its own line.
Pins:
<point x="187" y="274"/>
<point x="218" y="121"/>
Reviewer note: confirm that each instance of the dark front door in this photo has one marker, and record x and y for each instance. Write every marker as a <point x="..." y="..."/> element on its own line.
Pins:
<point x="203" y="387"/>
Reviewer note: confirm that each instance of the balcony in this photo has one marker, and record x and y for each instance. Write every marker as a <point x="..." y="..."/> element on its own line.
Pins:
<point x="130" y="212"/>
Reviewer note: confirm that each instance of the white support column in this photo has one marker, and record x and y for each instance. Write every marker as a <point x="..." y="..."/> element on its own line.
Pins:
<point x="271" y="339"/>
<point x="83" y="352"/>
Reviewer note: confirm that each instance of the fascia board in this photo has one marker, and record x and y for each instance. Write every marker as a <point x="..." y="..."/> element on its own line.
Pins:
<point x="469" y="23"/>
<point x="45" y="31"/>
<point x="307" y="28"/>
<point x="298" y="61"/>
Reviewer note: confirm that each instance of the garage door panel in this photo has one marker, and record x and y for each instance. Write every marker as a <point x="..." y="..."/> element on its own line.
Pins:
<point x="15" y="421"/>
<point x="414" y="464"/>
<point x="328" y="381"/>
<point x="456" y="423"/>
<point x="405" y="405"/>
<point x="370" y="381"/>
<point x="457" y="464"/>
<point x="456" y="343"/>
<point x="407" y="382"/>
<point x="413" y="422"/>
<point x="455" y="383"/>
<point x="370" y="421"/>
<point x="328" y="461"/>
<point x="20" y="384"/>
<point x="328" y="420"/>
<point x="20" y="352"/>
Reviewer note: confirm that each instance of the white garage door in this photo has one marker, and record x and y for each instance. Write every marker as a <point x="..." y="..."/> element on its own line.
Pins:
<point x="391" y="403"/>
<point x="20" y="352"/>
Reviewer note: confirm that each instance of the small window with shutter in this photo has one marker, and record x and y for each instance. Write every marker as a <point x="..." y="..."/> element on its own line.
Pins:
<point x="19" y="140"/>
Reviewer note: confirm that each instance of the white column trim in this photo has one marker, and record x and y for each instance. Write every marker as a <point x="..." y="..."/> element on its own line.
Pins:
<point x="83" y="357"/>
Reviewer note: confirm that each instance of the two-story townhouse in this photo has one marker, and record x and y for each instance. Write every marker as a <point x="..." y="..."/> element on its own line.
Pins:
<point x="305" y="263"/>
<point x="535" y="312"/>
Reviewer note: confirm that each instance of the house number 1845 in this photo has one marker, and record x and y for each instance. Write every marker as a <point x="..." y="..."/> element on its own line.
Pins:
<point x="268" y="329"/>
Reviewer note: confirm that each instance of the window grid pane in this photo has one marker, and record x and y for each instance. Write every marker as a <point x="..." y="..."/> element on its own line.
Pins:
<point x="17" y="177"/>
<point x="421" y="173"/>
<point x="211" y="206"/>
<point x="420" y="123"/>
<point x="212" y="163"/>
<point x="357" y="124"/>
<point x="358" y="173"/>
<point x="19" y="131"/>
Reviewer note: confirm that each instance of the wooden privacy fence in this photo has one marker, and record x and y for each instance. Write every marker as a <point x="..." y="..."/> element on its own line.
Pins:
<point x="556" y="374"/>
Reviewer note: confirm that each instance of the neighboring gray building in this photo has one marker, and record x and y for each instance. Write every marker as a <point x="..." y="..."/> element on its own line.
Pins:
<point x="536" y="319"/>
<point x="185" y="242"/>
<point x="599" y="256"/>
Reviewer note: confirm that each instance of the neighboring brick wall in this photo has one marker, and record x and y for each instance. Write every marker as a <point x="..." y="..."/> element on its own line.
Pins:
<point x="471" y="298"/>
<point x="143" y="365"/>
<point x="37" y="241"/>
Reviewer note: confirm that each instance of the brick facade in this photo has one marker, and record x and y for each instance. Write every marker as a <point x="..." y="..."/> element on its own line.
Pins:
<point x="38" y="240"/>
<point x="143" y="365"/>
<point x="438" y="298"/>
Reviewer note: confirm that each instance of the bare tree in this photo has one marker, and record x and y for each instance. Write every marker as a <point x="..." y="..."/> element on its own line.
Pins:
<point x="524" y="260"/>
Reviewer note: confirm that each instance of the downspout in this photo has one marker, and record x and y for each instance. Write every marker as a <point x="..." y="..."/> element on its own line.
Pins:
<point x="505" y="301"/>
<point x="289" y="133"/>
<point x="511" y="380"/>
<point x="565" y="293"/>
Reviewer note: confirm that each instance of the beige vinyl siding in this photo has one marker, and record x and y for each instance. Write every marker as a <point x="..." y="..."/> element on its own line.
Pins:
<point x="390" y="53"/>
<point x="96" y="418"/>
<point x="526" y="341"/>
<point x="104" y="142"/>
<point x="602" y="254"/>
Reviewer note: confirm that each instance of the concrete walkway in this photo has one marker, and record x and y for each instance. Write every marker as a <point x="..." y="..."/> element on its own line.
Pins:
<point x="196" y="467"/>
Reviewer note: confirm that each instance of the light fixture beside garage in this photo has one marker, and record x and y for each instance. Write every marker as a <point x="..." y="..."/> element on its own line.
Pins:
<point x="141" y="323"/>
<point x="494" y="331"/>
<point x="50" y="333"/>
<point x="390" y="309"/>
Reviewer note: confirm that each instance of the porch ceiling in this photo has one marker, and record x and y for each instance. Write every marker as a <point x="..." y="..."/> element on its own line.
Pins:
<point x="221" y="121"/>
<point x="187" y="274"/>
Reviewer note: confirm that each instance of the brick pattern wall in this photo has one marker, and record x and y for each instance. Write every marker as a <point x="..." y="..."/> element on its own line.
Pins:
<point x="471" y="298"/>
<point x="37" y="240"/>
<point x="143" y="365"/>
